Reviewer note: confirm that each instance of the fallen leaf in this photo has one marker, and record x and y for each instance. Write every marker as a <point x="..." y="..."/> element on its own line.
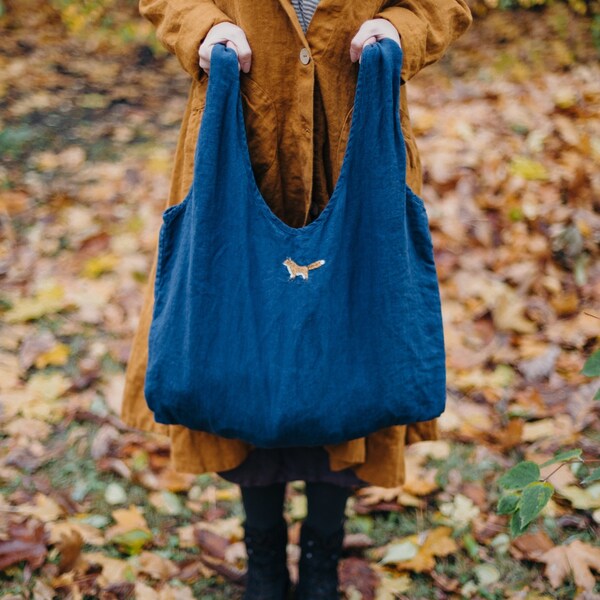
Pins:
<point x="576" y="558"/>
<point x="417" y="552"/>
<point x="26" y="541"/>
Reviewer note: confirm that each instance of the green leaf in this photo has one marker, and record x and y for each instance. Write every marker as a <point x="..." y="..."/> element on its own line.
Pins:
<point x="597" y="395"/>
<point x="508" y="503"/>
<point x="591" y="368"/>
<point x="535" y="496"/>
<point x="516" y="528"/>
<point x="561" y="456"/>
<point x="471" y="545"/>
<point x="593" y="476"/>
<point x="520" y="475"/>
<point x="132" y="542"/>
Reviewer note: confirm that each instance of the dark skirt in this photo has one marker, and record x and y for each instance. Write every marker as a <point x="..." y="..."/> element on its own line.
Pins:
<point x="264" y="466"/>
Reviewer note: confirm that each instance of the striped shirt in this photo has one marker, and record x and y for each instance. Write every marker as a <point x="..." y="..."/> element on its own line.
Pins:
<point x="305" y="9"/>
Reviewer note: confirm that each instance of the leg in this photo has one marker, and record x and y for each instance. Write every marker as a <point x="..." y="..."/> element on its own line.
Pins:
<point x="265" y="537"/>
<point x="263" y="504"/>
<point x="321" y="539"/>
<point x="326" y="506"/>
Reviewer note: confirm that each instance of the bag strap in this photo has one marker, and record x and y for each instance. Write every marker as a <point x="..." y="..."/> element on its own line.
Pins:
<point x="375" y="118"/>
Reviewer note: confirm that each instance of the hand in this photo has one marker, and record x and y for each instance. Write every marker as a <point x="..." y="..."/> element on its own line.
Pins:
<point x="370" y="32"/>
<point x="236" y="40"/>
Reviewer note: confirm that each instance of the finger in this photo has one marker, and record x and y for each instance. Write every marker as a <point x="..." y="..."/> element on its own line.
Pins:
<point x="358" y="41"/>
<point x="368" y="41"/>
<point x="232" y="46"/>
<point x="235" y="41"/>
<point x="242" y="49"/>
<point x="244" y="52"/>
<point x="202" y="61"/>
<point x="206" y="47"/>
<point x="204" y="54"/>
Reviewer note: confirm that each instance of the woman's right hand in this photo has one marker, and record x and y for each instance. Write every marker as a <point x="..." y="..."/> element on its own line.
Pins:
<point x="236" y="40"/>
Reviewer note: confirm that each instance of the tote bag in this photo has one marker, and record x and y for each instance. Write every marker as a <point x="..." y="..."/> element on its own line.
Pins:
<point x="283" y="336"/>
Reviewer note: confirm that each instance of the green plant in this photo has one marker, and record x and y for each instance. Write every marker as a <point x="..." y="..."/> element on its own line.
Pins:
<point x="524" y="494"/>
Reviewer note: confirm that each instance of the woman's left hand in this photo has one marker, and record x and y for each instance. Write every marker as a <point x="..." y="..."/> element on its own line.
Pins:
<point x="370" y="32"/>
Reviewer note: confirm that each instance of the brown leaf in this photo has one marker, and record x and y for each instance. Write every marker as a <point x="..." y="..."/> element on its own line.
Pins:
<point x="193" y="569"/>
<point x="357" y="541"/>
<point x="225" y="569"/>
<point x="212" y="543"/>
<point x="577" y="558"/>
<point x="156" y="566"/>
<point x="69" y="546"/>
<point x="27" y="541"/>
<point x="530" y="546"/>
<point x="357" y="573"/>
<point x="118" y="591"/>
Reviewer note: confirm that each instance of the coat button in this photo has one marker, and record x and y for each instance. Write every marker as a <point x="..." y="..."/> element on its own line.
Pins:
<point x="304" y="56"/>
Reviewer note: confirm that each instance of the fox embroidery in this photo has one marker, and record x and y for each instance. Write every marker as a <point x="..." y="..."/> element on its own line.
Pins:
<point x="302" y="270"/>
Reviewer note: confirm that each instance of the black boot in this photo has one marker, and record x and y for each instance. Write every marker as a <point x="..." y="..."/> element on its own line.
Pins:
<point x="318" y="565"/>
<point x="267" y="577"/>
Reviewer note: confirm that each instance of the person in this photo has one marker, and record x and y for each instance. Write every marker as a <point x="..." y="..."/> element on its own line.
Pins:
<point x="298" y="68"/>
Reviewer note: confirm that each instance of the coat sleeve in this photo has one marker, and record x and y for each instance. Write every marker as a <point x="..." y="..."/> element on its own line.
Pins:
<point x="182" y="25"/>
<point x="426" y="28"/>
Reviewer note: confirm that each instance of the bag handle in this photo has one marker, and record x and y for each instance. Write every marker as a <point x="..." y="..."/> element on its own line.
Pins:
<point x="375" y="116"/>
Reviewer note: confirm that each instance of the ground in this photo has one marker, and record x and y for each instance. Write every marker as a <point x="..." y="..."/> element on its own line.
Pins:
<point x="508" y="127"/>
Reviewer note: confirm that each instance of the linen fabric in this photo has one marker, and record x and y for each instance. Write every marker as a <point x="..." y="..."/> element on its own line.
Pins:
<point x="283" y="336"/>
<point x="296" y="161"/>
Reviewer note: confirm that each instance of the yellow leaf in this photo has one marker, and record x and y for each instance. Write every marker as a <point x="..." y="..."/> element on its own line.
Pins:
<point x="114" y="570"/>
<point x="44" y="508"/>
<point x="89" y="533"/>
<point x="58" y="355"/>
<point x="391" y="587"/>
<point x="429" y="544"/>
<point x="128" y="519"/>
<point x="98" y="265"/>
<point x="47" y="301"/>
<point x="227" y="494"/>
<point x="298" y="506"/>
<point x="528" y="169"/>
<point x="44" y="397"/>
<point x="155" y="565"/>
<point x="584" y="499"/>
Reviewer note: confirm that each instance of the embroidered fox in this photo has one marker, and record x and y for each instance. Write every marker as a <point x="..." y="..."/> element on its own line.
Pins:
<point x="296" y="269"/>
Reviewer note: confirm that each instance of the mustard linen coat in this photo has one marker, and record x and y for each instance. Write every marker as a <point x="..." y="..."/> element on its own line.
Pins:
<point x="297" y="115"/>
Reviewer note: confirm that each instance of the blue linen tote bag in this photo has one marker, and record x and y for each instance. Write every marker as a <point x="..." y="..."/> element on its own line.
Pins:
<point x="283" y="336"/>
